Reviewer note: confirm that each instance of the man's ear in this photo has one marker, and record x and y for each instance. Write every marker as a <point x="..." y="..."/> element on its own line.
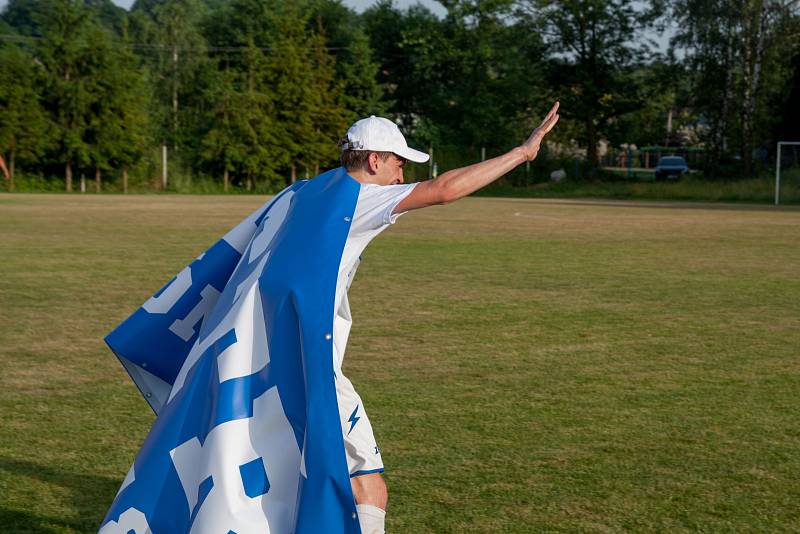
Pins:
<point x="372" y="161"/>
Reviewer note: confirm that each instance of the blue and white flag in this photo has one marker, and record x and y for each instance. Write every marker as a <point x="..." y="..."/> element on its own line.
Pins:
<point x="235" y="357"/>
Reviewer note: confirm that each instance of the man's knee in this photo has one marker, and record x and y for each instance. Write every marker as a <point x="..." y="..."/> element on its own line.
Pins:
<point x="370" y="489"/>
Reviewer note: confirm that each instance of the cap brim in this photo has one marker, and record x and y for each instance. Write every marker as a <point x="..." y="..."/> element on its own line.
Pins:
<point x="413" y="155"/>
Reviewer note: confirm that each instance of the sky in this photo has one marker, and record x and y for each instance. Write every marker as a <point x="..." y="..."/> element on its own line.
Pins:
<point x="361" y="5"/>
<point x="435" y="7"/>
<point x="358" y="5"/>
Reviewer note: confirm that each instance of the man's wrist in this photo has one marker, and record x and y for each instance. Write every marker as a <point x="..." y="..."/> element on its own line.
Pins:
<point x="521" y="153"/>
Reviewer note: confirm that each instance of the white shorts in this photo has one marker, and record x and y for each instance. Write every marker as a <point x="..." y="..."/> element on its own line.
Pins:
<point x="363" y="454"/>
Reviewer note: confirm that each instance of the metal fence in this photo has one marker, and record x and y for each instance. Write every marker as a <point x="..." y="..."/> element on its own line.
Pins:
<point x="647" y="157"/>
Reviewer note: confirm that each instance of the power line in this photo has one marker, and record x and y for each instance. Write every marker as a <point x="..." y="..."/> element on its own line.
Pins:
<point x="170" y="48"/>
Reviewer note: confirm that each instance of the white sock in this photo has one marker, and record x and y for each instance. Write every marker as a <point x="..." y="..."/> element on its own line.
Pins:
<point x="371" y="518"/>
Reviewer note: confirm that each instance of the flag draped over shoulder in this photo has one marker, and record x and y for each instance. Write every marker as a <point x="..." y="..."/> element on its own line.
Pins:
<point x="235" y="357"/>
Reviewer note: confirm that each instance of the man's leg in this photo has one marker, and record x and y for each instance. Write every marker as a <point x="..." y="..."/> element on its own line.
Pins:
<point x="363" y="458"/>
<point x="370" y="489"/>
<point x="371" y="499"/>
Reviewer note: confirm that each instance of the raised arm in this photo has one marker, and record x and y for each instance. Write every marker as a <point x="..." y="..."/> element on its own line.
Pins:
<point x="458" y="183"/>
<point x="3" y="168"/>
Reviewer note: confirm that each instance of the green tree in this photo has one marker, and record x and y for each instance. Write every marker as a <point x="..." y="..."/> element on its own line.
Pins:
<point x="260" y="152"/>
<point x="413" y="50"/>
<point x="289" y="78"/>
<point x="788" y="126"/>
<point x="119" y="124"/>
<point x="738" y="54"/>
<point x="278" y="102"/>
<point x="178" y="62"/>
<point x="220" y="147"/>
<point x="25" y="15"/>
<point x="328" y="105"/>
<point x="356" y="69"/>
<point x="664" y="117"/>
<point x="23" y="125"/>
<point x="709" y="38"/>
<point x="497" y="76"/>
<point x="67" y="99"/>
<point x="595" y="46"/>
<point x="468" y="81"/>
<point x="246" y="137"/>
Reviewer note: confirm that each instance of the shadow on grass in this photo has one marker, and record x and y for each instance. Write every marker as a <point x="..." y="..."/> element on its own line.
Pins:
<point x="89" y="495"/>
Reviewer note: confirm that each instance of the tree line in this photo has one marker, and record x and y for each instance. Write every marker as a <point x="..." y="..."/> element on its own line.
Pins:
<point x="257" y="93"/>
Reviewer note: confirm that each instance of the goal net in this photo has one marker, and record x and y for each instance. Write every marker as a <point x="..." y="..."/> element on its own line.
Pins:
<point x="787" y="172"/>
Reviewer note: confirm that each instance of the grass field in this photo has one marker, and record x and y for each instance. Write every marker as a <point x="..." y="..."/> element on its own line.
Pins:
<point x="613" y="183"/>
<point x="693" y="188"/>
<point x="528" y="365"/>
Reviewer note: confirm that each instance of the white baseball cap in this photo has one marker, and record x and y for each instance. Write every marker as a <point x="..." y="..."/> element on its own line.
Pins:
<point x="377" y="134"/>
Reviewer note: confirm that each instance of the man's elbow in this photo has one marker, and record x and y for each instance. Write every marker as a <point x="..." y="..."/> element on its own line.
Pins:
<point x="447" y="193"/>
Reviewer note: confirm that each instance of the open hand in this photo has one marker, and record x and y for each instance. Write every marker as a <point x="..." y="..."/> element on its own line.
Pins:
<point x="531" y="147"/>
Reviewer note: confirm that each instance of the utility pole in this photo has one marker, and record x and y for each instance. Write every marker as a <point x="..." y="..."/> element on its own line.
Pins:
<point x="669" y="126"/>
<point x="164" y="167"/>
<point x="174" y="87"/>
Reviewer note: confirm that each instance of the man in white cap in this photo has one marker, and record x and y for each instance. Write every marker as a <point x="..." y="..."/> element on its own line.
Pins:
<point x="374" y="153"/>
<point x="240" y="355"/>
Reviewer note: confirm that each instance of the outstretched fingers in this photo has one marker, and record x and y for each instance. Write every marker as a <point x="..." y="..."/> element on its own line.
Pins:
<point x="551" y="123"/>
<point x="547" y="124"/>
<point x="531" y="146"/>
<point x="552" y="112"/>
<point x="550" y="119"/>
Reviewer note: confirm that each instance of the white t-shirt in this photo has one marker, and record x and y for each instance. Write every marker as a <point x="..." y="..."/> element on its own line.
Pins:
<point x="372" y="215"/>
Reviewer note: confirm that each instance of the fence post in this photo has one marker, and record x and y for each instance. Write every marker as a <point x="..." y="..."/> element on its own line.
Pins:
<point x="629" y="161"/>
<point x="778" y="175"/>
<point x="164" y="167"/>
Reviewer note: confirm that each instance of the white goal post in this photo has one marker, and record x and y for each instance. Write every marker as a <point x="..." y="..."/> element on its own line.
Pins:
<point x="778" y="168"/>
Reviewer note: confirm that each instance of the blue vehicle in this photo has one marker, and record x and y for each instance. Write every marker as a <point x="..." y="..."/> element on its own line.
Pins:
<point x="671" y="167"/>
